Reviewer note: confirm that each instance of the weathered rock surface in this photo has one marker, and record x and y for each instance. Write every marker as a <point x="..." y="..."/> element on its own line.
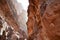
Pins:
<point x="44" y="20"/>
<point x="34" y="20"/>
<point x="51" y="21"/>
<point x="9" y="27"/>
<point x="21" y="15"/>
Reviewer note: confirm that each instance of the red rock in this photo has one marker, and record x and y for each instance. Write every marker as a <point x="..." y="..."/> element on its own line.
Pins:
<point x="51" y="21"/>
<point x="44" y="20"/>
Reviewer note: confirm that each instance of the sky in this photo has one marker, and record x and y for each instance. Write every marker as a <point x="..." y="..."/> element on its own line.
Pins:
<point x="24" y="3"/>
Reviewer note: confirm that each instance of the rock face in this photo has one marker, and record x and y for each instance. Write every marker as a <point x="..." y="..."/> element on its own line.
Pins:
<point x="21" y="15"/>
<point x="4" y="6"/>
<point x="9" y="27"/>
<point x="44" y="20"/>
<point x="34" y="20"/>
<point x="51" y="21"/>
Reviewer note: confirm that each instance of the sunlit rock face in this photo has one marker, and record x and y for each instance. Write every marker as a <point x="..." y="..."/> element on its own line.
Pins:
<point x="21" y="15"/>
<point x="10" y="21"/>
<point x="44" y="20"/>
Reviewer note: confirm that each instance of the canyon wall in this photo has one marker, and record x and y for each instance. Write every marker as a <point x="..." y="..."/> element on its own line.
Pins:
<point x="51" y="21"/>
<point x="34" y="20"/>
<point x="21" y="15"/>
<point x="44" y="20"/>
<point x="9" y="26"/>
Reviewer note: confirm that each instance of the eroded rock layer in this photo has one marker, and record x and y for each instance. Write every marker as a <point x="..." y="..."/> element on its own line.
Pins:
<point x="9" y="28"/>
<point x="51" y="21"/>
<point x="44" y="20"/>
<point x="34" y="20"/>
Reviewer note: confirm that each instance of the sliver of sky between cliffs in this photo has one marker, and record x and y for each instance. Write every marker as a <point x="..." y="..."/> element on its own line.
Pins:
<point x="24" y="3"/>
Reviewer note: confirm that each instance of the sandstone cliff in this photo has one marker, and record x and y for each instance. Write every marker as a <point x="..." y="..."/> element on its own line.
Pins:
<point x="34" y="20"/>
<point x="44" y="20"/>
<point x="10" y="28"/>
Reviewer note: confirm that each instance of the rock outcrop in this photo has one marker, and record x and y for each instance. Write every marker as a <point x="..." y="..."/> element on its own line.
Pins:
<point x="9" y="26"/>
<point x="51" y="21"/>
<point x="34" y="20"/>
<point x="44" y="20"/>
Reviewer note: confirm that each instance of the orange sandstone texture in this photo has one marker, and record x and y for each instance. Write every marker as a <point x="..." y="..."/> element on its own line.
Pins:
<point x="44" y="20"/>
<point x="34" y="20"/>
<point x="51" y="21"/>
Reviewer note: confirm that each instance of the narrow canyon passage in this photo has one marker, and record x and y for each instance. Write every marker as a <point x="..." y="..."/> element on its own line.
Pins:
<point x="29" y="19"/>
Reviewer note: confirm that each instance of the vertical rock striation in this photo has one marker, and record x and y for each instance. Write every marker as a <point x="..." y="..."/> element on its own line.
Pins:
<point x="9" y="27"/>
<point x="44" y="20"/>
<point x="34" y="20"/>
